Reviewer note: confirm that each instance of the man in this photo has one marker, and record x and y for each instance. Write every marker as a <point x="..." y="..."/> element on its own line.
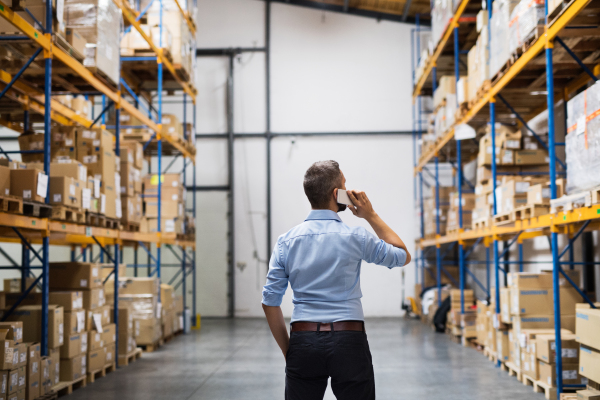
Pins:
<point x="321" y="259"/>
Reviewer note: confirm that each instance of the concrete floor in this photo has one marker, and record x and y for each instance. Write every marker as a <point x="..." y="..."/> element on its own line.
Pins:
<point x="237" y="359"/>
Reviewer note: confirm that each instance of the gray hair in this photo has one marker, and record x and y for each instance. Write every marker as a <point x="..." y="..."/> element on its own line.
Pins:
<point x="319" y="181"/>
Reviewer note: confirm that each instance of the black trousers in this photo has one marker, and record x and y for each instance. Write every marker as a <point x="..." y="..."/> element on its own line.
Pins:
<point x="344" y="356"/>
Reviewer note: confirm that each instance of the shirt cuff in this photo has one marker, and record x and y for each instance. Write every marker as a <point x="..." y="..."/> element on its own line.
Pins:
<point x="271" y="299"/>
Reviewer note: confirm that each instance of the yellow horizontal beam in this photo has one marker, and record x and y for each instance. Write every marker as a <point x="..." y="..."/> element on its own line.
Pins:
<point x="65" y="233"/>
<point x="551" y="32"/>
<point x="439" y="48"/>
<point x="531" y="227"/>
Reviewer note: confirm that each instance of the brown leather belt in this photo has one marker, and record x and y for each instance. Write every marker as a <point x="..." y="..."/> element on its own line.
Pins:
<point x="328" y="326"/>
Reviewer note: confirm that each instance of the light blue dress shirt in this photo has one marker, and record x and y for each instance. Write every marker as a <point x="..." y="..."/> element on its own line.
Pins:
<point x="321" y="260"/>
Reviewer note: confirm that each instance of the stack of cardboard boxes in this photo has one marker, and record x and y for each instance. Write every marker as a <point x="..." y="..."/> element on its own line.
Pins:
<point x="140" y="297"/>
<point x="429" y="211"/>
<point x="172" y="204"/>
<point x="468" y="205"/>
<point x="587" y="326"/>
<point x="88" y="322"/>
<point x="132" y="159"/>
<point x="462" y="324"/>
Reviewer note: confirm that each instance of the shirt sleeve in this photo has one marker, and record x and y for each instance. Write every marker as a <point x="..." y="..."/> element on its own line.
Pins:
<point x="277" y="280"/>
<point x="379" y="252"/>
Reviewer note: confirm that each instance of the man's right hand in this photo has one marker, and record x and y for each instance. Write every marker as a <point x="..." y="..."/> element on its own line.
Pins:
<point x="362" y="206"/>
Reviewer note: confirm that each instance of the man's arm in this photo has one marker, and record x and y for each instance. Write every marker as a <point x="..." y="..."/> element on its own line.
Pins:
<point x="363" y="208"/>
<point x="277" y="325"/>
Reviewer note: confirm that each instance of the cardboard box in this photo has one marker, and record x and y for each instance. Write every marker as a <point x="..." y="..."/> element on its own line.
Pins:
<point x="169" y="208"/>
<point x="166" y="296"/>
<point x="109" y="354"/>
<point x="129" y="176"/>
<point x="102" y="312"/>
<point x="587" y="327"/>
<point x="76" y="40"/>
<point x="20" y="355"/>
<point x="74" y="321"/>
<point x="68" y="300"/>
<point x="22" y="373"/>
<point x="95" y="359"/>
<point x="13" y="285"/>
<point x="541" y="301"/>
<point x="46" y="364"/>
<point x="137" y="151"/>
<point x="588" y="394"/>
<point x="31" y="316"/>
<point x="7" y="352"/>
<point x="139" y="286"/>
<point x="93" y="298"/>
<point x="543" y="280"/>
<point x="33" y="371"/>
<point x="531" y="157"/>
<point x="73" y="368"/>
<point x="127" y="344"/>
<point x="95" y="137"/>
<point x="149" y="330"/>
<point x="538" y="194"/>
<point x="570" y="373"/>
<point x="502" y="345"/>
<point x="15" y="330"/>
<point x="505" y="315"/>
<point x="30" y="184"/>
<point x="73" y="345"/>
<point x="75" y="275"/>
<point x="546" y="349"/>
<point x="131" y="209"/>
<point x="69" y="168"/>
<point x="65" y="191"/>
<point x="4" y="384"/>
<point x="13" y="381"/>
<point x="95" y="341"/>
<point x="109" y="334"/>
<point x="522" y="322"/>
<point x="55" y="366"/>
<point x="4" y="181"/>
<point x="100" y="163"/>
<point x="171" y="126"/>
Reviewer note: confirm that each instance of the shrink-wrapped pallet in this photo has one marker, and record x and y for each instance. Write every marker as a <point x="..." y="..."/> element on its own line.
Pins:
<point x="499" y="46"/>
<point x="99" y="22"/>
<point x="524" y="20"/>
<point x="583" y="140"/>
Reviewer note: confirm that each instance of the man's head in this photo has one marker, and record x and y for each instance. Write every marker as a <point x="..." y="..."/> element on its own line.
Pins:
<point x="321" y="182"/>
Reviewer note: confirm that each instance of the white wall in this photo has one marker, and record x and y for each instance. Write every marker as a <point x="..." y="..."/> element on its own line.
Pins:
<point x="329" y="72"/>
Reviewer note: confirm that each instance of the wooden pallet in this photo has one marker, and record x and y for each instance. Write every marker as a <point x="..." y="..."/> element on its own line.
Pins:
<point x="11" y="204"/>
<point x="570" y="202"/>
<point x="149" y="348"/>
<point x="101" y="373"/>
<point x="38" y="210"/>
<point x="530" y="40"/>
<point x="131" y="357"/>
<point x="113" y="223"/>
<point x="68" y="214"/>
<point x="481" y="223"/>
<point x="65" y="46"/>
<point x="146" y="53"/>
<point x="513" y="370"/>
<point x="64" y="388"/>
<point x="530" y="211"/>
<point x="504" y="219"/>
<point x="130" y="226"/>
<point x="548" y="390"/>
<point x="568" y="396"/>
<point x="527" y="380"/>
<point x="181" y="72"/>
<point x="52" y="395"/>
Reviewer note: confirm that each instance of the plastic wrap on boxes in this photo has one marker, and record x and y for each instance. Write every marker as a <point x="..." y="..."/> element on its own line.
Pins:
<point x="583" y="140"/>
<point x="499" y="47"/>
<point x="142" y="306"/>
<point x="524" y="19"/>
<point x="99" y="22"/>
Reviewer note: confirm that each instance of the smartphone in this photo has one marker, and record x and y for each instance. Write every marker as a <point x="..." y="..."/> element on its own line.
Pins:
<point x="342" y="198"/>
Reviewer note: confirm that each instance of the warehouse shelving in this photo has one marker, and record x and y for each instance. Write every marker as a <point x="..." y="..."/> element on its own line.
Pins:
<point x="31" y="230"/>
<point x="573" y="19"/>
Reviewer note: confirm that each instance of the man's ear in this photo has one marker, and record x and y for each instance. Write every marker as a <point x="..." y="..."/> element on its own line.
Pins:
<point x="335" y="194"/>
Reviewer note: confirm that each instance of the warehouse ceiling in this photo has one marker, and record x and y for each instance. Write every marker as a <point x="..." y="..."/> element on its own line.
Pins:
<point x="393" y="10"/>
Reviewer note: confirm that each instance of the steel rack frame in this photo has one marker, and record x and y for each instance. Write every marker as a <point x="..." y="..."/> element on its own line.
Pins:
<point x="28" y="230"/>
<point x="571" y="223"/>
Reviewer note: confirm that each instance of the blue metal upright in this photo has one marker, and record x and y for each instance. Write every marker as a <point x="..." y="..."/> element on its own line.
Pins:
<point x="159" y="137"/>
<point x="438" y="258"/>
<point x="495" y="206"/>
<point x="194" y="215"/>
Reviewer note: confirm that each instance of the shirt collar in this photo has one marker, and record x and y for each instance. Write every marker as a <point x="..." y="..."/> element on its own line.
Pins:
<point x="323" y="214"/>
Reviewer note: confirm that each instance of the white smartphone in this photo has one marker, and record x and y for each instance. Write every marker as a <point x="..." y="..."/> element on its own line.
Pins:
<point x="342" y="197"/>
